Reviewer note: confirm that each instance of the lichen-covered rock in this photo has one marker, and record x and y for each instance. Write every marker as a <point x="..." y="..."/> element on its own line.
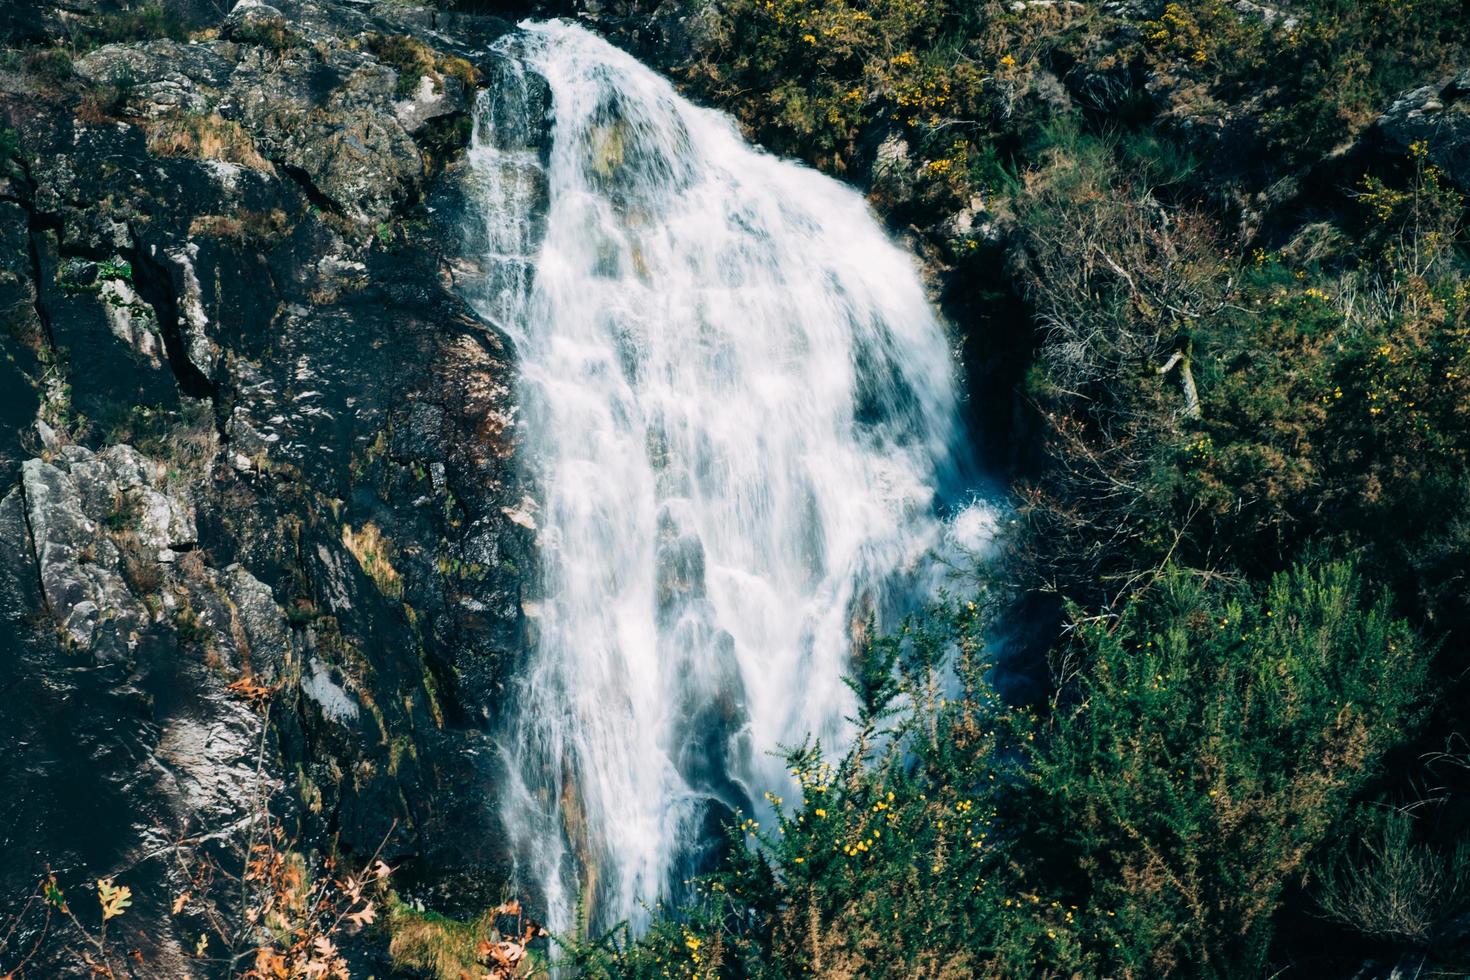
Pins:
<point x="235" y="349"/>
<point x="307" y="98"/>
<point x="160" y="77"/>
<point x="101" y="525"/>
<point x="355" y="154"/>
<point x="78" y="565"/>
<point x="1438" y="118"/>
<point x="263" y="640"/>
<point x="132" y="321"/>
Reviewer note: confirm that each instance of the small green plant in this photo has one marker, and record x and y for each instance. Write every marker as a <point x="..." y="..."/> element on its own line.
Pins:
<point x="10" y="147"/>
<point x="108" y="101"/>
<point x="122" y="515"/>
<point x="51" y="65"/>
<point x="115" y="269"/>
<point x="1393" y="886"/>
<point x="189" y="628"/>
<point x="444" y="138"/>
<point x="151" y="21"/>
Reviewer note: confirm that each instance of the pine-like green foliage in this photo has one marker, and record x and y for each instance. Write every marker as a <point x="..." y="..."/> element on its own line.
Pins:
<point x="1217" y="739"/>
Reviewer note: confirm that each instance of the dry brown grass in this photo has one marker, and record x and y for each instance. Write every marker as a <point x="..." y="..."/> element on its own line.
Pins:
<point x="205" y="137"/>
<point x="246" y="226"/>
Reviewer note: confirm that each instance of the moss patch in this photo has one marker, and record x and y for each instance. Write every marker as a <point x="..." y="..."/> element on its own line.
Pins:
<point x="372" y="551"/>
<point x="413" y="59"/>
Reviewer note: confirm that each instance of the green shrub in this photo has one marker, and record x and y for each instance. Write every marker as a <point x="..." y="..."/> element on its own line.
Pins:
<point x="51" y="65"/>
<point x="1217" y="738"/>
<point x="1214" y="739"/>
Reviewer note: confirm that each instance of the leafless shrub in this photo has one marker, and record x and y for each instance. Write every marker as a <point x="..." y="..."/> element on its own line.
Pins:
<point x="1119" y="282"/>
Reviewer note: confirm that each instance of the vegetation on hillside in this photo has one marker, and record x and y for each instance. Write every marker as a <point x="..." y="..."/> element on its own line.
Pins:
<point x="1246" y="334"/>
<point x="1147" y="824"/>
<point x="1249" y="347"/>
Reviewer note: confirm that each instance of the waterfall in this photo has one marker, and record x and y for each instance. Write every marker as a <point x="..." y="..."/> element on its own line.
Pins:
<point x="738" y="411"/>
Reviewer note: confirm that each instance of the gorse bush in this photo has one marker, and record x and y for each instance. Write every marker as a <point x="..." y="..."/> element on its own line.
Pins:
<point x="839" y="64"/>
<point x="1148" y="827"/>
<point x="1335" y="400"/>
<point x="1322" y="68"/>
<point x="1219" y="736"/>
<point x="887" y="864"/>
<point x="1263" y="90"/>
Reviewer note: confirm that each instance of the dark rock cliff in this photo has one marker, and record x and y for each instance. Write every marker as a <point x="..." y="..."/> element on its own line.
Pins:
<point x="249" y="436"/>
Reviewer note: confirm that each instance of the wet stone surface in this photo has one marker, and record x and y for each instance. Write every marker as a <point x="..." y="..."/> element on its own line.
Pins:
<point x="249" y="433"/>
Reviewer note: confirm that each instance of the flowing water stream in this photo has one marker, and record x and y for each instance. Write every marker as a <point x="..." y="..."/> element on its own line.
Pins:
<point x="739" y="412"/>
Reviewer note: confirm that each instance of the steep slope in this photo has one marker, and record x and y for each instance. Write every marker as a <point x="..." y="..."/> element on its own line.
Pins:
<point x="256" y="452"/>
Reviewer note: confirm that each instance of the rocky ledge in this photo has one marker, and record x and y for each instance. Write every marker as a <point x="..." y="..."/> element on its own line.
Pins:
<point x="1437" y="118"/>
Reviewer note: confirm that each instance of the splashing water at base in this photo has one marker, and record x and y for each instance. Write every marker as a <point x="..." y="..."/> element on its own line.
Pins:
<point x="738" y="408"/>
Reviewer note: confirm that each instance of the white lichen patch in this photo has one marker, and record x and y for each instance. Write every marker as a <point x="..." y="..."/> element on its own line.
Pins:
<point x="321" y="687"/>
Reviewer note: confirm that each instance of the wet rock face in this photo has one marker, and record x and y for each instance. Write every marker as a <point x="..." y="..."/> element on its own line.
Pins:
<point x="121" y="645"/>
<point x="69" y="502"/>
<point x="250" y="436"/>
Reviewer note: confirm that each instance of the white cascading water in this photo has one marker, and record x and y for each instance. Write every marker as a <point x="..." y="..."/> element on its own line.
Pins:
<point x="738" y="408"/>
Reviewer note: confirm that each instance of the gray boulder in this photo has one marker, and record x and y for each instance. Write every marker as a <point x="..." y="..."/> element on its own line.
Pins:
<point x="103" y="527"/>
<point x="1439" y="117"/>
<point x="83" y="589"/>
